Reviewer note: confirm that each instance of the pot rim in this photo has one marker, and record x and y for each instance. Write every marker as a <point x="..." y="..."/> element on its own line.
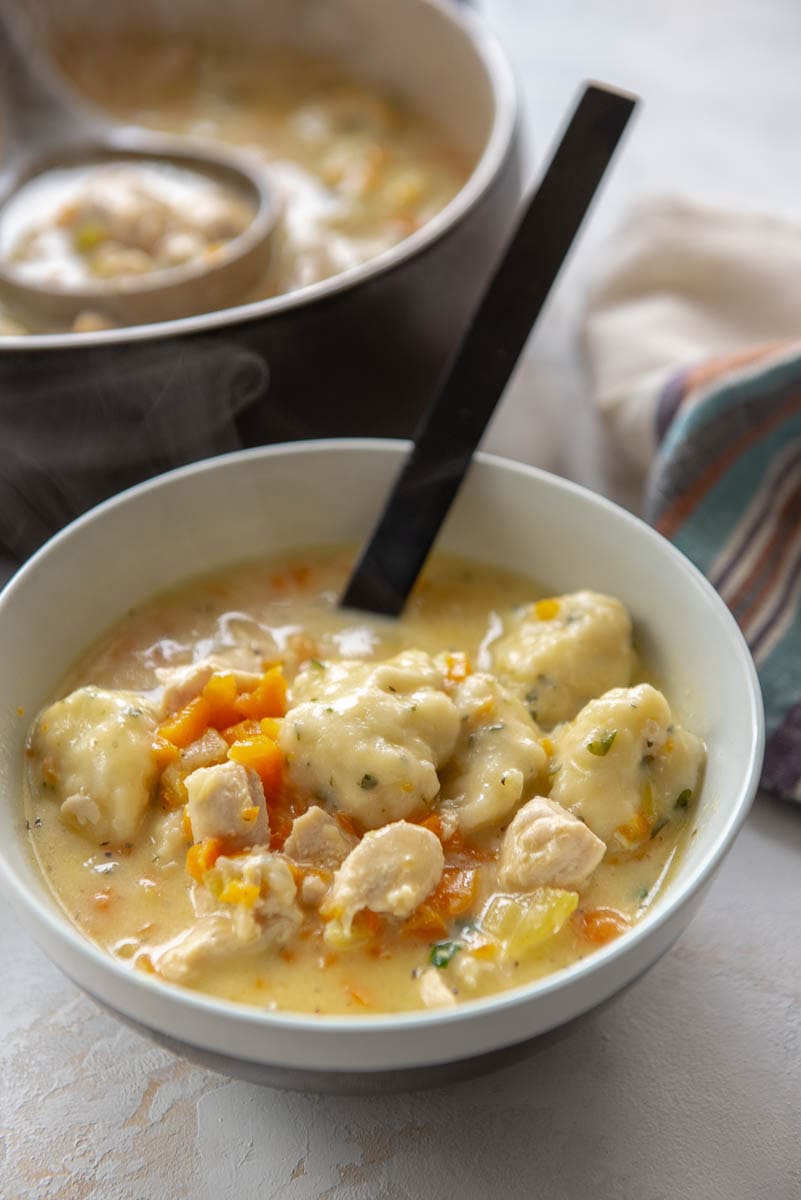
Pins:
<point x="502" y="82"/>
<point x="174" y="1000"/>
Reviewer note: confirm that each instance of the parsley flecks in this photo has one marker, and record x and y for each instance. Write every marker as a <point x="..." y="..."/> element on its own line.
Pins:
<point x="441" y="953"/>
<point x="601" y="746"/>
<point x="684" y="798"/>
<point x="368" y="782"/>
<point x="495" y="728"/>
<point x="132" y="711"/>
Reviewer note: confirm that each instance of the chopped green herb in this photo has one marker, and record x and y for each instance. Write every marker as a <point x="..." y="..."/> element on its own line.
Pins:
<point x="602" y="745"/>
<point x="684" y="798"/>
<point x="368" y="782"/>
<point x="315" y="662"/>
<point x="495" y="728"/>
<point x="131" y="711"/>
<point x="441" y="953"/>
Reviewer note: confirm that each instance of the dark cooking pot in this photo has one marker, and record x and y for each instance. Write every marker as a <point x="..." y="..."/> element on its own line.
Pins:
<point x="84" y="415"/>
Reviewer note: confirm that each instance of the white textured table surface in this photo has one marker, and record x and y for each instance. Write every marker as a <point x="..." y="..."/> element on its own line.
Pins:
<point x="690" y="1085"/>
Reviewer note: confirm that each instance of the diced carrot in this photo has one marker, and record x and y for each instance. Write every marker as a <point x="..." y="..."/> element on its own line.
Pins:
<point x="220" y="694"/>
<point x="188" y="724"/>
<point x="237" y="892"/>
<point x="368" y="923"/>
<point x="601" y="925"/>
<point x="268" y="698"/>
<point x="454" y="894"/>
<point x="637" y="829"/>
<point x="164" y="752"/>
<point x="348" y="825"/>
<point x="241" y="731"/>
<point x="457" y="668"/>
<point x="456" y="847"/>
<point x="433" y="823"/>
<point x="280" y="826"/>
<point x="271" y="726"/>
<point x="484" y="950"/>
<point x="547" y="609"/>
<point x="186" y="825"/>
<point x="201" y="857"/>
<point x="262" y="755"/>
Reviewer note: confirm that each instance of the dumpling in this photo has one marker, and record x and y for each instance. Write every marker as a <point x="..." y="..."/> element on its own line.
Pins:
<point x="623" y="765"/>
<point x="367" y="738"/>
<point x="561" y="652"/>
<point x="94" y="751"/>
<point x="497" y="760"/>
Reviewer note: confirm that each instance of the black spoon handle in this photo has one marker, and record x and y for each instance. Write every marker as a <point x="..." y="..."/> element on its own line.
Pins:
<point x="454" y="425"/>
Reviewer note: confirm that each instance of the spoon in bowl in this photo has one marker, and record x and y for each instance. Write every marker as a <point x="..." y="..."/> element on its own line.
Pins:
<point x="51" y="134"/>
<point x="474" y="382"/>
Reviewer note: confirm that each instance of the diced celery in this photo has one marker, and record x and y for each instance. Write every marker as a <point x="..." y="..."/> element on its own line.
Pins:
<point x="524" y="923"/>
<point x="88" y="237"/>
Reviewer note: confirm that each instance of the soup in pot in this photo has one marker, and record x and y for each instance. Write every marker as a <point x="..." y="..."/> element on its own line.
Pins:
<point x="245" y="790"/>
<point x="357" y="169"/>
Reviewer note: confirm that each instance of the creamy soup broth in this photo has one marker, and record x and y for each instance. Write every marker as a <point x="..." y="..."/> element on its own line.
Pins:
<point x="135" y="897"/>
<point x="358" y="169"/>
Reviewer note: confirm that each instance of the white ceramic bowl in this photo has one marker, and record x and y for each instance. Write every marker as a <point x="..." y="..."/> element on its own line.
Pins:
<point x="216" y="513"/>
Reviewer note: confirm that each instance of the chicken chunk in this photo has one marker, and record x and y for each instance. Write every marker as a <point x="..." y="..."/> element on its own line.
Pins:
<point x="547" y="846"/>
<point x="434" y="991"/>
<point x="227" y="801"/>
<point x="497" y="759"/>
<point x="368" y="738"/>
<point x="561" y="652"/>
<point x="182" y="684"/>
<point x="93" y="751"/>
<point x="317" y="839"/>
<point x="208" y="750"/>
<point x="392" y="870"/>
<point x="623" y="765"/>
<point x="255" y="910"/>
<point x="169" y="838"/>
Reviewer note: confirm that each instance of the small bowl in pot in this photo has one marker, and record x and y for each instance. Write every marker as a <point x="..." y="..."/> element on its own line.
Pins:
<point x="204" y="517"/>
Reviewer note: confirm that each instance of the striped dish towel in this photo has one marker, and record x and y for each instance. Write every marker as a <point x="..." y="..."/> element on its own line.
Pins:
<point x="721" y="437"/>
<point x="726" y="489"/>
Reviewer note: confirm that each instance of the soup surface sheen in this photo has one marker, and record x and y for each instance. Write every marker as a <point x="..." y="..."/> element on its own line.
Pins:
<point x="441" y="807"/>
<point x="357" y="168"/>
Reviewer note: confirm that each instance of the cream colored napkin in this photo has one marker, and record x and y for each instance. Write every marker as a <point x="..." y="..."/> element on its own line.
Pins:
<point x="684" y="283"/>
